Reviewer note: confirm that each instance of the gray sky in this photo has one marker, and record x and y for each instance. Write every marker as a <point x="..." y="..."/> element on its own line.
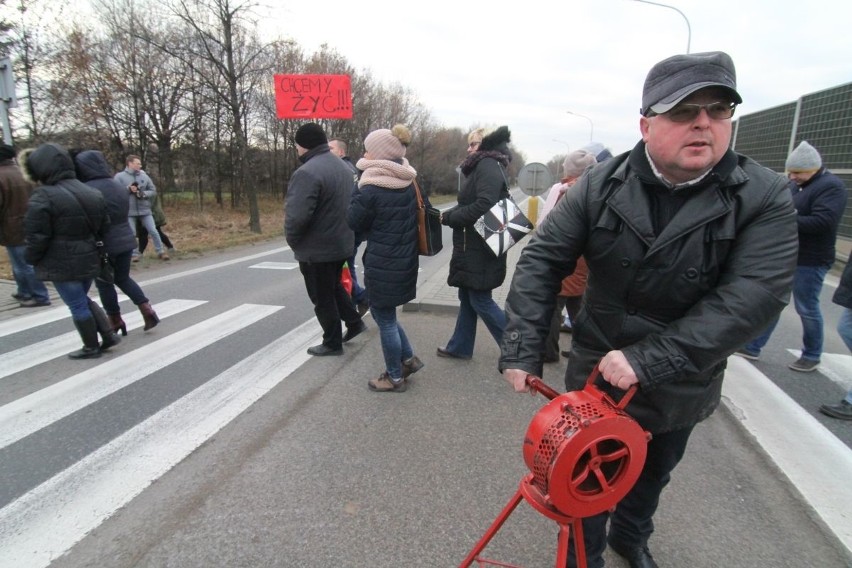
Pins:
<point x="525" y="64"/>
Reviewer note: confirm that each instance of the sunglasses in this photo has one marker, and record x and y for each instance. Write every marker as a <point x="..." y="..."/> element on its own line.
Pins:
<point x="689" y="112"/>
<point x="474" y="144"/>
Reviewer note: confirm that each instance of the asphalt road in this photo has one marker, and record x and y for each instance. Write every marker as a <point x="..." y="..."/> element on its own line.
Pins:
<point x="214" y="440"/>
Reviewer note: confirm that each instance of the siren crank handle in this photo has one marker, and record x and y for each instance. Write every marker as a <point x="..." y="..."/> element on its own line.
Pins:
<point x="539" y="386"/>
<point x="622" y="404"/>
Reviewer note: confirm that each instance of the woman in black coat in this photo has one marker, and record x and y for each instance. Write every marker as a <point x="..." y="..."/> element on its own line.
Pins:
<point x="93" y="170"/>
<point x="385" y="210"/>
<point x="64" y="221"/>
<point x="474" y="269"/>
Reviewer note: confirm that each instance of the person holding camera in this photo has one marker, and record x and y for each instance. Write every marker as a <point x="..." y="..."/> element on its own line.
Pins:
<point x="141" y="192"/>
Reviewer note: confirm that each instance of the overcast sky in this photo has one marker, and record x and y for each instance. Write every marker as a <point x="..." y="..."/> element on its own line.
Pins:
<point x="524" y="64"/>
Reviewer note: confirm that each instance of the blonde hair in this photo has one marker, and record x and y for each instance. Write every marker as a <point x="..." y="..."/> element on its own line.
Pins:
<point x="476" y="135"/>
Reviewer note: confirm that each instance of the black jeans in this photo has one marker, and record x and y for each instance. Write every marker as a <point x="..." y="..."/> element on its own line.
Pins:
<point x="330" y="300"/>
<point x="142" y="233"/>
<point x="632" y="522"/>
<point x="121" y="266"/>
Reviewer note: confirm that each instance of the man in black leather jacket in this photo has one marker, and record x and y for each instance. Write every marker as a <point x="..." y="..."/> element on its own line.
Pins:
<point x="691" y="250"/>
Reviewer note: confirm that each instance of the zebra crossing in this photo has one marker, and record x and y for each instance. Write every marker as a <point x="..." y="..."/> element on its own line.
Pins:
<point x="40" y="524"/>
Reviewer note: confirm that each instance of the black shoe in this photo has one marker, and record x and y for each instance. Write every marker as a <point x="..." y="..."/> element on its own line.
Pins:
<point x="31" y="303"/>
<point x="354" y="331"/>
<point x="843" y="410"/>
<point x="804" y="365"/>
<point x="86" y="353"/>
<point x="450" y="355"/>
<point x="323" y="350"/>
<point x="639" y="557"/>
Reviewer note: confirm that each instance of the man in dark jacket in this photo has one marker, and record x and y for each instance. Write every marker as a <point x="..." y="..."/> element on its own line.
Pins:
<point x="820" y="199"/>
<point x="14" y="195"/>
<point x="691" y="250"/>
<point x="315" y="227"/>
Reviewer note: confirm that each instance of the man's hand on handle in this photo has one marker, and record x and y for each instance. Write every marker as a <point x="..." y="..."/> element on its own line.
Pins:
<point x="614" y="368"/>
<point x="517" y="378"/>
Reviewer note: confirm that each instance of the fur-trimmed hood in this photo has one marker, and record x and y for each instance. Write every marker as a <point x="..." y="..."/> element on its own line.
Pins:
<point x="47" y="164"/>
<point x="497" y="140"/>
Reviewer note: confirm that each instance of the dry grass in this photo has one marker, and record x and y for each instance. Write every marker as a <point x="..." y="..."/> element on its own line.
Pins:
<point x="194" y="231"/>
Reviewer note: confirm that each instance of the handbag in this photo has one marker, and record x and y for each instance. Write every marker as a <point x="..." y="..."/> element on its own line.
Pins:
<point x="502" y="226"/>
<point x="106" y="273"/>
<point x="429" y="230"/>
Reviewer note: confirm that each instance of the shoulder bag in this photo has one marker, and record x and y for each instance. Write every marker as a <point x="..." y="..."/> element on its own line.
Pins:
<point x="429" y="228"/>
<point x="502" y="226"/>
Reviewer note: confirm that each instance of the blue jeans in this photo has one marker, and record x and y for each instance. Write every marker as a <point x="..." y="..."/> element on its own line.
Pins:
<point x="844" y="328"/>
<point x="807" y="284"/>
<point x="147" y="222"/>
<point x="109" y="299"/>
<point x="395" y="345"/>
<point x="75" y="295"/>
<point x="29" y="287"/>
<point x="473" y="304"/>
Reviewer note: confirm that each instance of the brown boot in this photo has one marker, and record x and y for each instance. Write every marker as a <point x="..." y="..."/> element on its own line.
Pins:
<point x="117" y="323"/>
<point x="149" y="315"/>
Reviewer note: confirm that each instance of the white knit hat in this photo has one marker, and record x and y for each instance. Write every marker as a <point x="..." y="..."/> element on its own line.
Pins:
<point x="804" y="158"/>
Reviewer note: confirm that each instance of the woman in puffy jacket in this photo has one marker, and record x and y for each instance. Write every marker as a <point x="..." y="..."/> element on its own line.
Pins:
<point x="93" y="170"/>
<point x="64" y="221"/>
<point x="385" y="210"/>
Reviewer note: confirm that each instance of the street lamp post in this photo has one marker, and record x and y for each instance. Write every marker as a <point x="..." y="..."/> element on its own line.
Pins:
<point x="688" y="27"/>
<point x="567" y="149"/>
<point x="591" y="124"/>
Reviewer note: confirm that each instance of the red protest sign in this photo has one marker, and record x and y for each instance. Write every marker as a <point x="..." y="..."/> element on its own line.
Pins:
<point x="313" y="96"/>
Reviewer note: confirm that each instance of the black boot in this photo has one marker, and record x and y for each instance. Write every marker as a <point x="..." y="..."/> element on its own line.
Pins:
<point x="108" y="337"/>
<point x="88" y="331"/>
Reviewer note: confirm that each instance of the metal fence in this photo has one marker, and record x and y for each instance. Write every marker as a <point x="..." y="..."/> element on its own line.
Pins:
<point x="823" y="118"/>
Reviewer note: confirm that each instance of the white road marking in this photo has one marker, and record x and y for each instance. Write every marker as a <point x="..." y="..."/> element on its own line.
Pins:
<point x="815" y="461"/>
<point x="37" y="353"/>
<point x="209" y="267"/>
<point x="44" y="523"/>
<point x="31" y="413"/>
<point x="834" y="366"/>
<point x="41" y="316"/>
<point x="269" y="265"/>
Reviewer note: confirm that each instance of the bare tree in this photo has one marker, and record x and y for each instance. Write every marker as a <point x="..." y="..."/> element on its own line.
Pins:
<point x="31" y="46"/>
<point x="226" y="41"/>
